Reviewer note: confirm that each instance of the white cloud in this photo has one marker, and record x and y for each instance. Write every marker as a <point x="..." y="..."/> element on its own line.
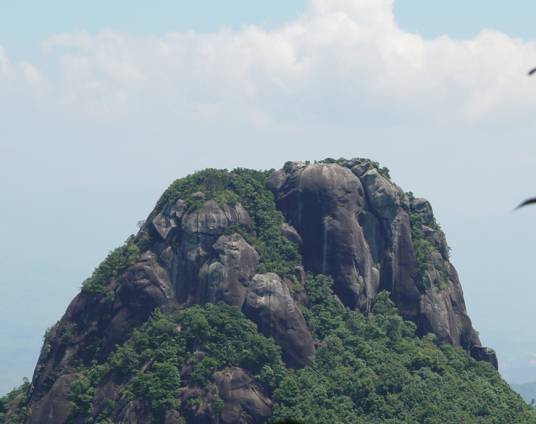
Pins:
<point x="341" y="60"/>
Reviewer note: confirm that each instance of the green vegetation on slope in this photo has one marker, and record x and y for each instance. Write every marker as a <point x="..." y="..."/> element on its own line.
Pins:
<point x="15" y="400"/>
<point x="115" y="263"/>
<point x="423" y="250"/>
<point x="366" y="369"/>
<point x="207" y="339"/>
<point x="248" y="187"/>
<point x="374" y="369"/>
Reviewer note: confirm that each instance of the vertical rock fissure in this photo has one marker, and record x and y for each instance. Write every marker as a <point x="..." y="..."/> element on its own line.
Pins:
<point x="325" y="246"/>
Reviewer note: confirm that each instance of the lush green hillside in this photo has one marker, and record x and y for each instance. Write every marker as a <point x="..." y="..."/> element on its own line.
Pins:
<point x="366" y="369"/>
<point x="374" y="369"/>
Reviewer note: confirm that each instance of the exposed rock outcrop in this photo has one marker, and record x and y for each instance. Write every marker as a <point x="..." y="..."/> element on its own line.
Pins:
<point x="54" y="407"/>
<point x="94" y="325"/>
<point x="322" y="202"/>
<point x="347" y="219"/>
<point x="355" y="225"/>
<point x="245" y="401"/>
<point x="206" y="266"/>
<point x="271" y="306"/>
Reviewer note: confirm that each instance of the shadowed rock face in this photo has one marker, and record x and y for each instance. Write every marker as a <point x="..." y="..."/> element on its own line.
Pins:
<point x="245" y="401"/>
<point x="355" y="226"/>
<point x="208" y="266"/>
<point x="143" y="287"/>
<point x="54" y="407"/>
<point x="270" y="304"/>
<point x="193" y="259"/>
<point x="348" y="220"/>
<point x="322" y="203"/>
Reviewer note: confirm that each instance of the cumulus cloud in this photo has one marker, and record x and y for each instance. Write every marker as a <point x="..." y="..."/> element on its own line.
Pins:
<point x="341" y="60"/>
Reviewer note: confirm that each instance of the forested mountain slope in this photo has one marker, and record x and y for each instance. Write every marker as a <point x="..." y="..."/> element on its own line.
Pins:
<point x="319" y="292"/>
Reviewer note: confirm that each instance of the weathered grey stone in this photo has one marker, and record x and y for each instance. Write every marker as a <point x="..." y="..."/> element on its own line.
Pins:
<point x="245" y="402"/>
<point x="423" y="207"/>
<point x="212" y="218"/>
<point x="276" y="180"/>
<point x="381" y="194"/>
<point x="374" y="230"/>
<point x="399" y="267"/>
<point x="169" y="218"/>
<point x="105" y="320"/>
<point x="290" y="233"/>
<point x="270" y="305"/>
<point x="209" y="267"/>
<point x="481" y="353"/>
<point x="437" y="238"/>
<point x="322" y="202"/>
<point x="354" y="237"/>
<point x="228" y="277"/>
<point x="360" y="168"/>
<point x="143" y="287"/>
<point x="54" y="406"/>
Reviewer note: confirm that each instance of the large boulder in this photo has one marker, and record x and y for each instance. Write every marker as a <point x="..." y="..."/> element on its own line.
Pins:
<point x="55" y="406"/>
<point x="227" y="277"/>
<point x="382" y="195"/>
<point x="245" y="402"/>
<point x="270" y="305"/>
<point x="206" y="267"/>
<point x="321" y="202"/>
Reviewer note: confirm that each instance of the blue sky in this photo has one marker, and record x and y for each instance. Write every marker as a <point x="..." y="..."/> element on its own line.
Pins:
<point x="459" y="18"/>
<point x="25" y="23"/>
<point x="101" y="110"/>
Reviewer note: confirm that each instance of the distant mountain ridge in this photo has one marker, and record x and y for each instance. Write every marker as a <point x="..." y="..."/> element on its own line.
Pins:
<point x="320" y="292"/>
<point x="526" y="390"/>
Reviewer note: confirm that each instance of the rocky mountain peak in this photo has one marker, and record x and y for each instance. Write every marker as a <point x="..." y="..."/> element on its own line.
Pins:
<point x="250" y="240"/>
<point x="364" y="231"/>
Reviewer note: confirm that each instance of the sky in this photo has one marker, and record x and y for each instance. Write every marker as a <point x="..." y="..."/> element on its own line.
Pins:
<point x="104" y="104"/>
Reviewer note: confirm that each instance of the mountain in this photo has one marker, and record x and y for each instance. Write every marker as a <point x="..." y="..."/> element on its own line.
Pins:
<point x="526" y="390"/>
<point x="318" y="292"/>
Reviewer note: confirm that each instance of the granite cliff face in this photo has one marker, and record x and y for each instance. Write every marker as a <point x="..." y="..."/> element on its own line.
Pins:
<point x="346" y="219"/>
<point x="356" y="225"/>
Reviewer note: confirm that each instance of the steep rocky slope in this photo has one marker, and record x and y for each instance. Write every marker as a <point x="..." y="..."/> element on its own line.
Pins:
<point x="238" y="285"/>
<point x="394" y="244"/>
